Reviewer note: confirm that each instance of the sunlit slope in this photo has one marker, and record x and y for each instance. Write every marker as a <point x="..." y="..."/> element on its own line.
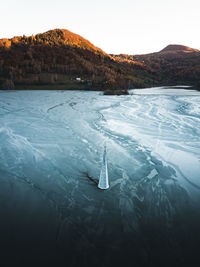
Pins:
<point x="57" y="58"/>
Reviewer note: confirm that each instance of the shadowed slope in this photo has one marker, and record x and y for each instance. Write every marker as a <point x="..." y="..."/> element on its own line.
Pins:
<point x="57" y="57"/>
<point x="175" y="64"/>
<point x="178" y="48"/>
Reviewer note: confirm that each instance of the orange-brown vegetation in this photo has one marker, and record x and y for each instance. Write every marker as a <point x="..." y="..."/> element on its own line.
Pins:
<point x="38" y="59"/>
<point x="57" y="57"/>
<point x="175" y="64"/>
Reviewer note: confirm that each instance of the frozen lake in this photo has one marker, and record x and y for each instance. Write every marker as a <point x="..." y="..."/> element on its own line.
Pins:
<point x="51" y="141"/>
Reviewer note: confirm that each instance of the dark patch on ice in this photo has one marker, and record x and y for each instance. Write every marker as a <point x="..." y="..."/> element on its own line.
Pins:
<point x="94" y="180"/>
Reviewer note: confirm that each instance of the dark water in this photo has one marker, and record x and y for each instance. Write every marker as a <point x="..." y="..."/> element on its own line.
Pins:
<point x="51" y="213"/>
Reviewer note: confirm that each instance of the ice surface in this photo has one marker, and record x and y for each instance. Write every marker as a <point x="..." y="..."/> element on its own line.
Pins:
<point x="51" y="142"/>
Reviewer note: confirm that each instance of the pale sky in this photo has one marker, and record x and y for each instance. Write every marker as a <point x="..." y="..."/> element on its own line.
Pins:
<point x="116" y="26"/>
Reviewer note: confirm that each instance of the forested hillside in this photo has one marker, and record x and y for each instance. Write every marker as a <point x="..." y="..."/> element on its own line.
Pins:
<point x="60" y="59"/>
<point x="175" y="64"/>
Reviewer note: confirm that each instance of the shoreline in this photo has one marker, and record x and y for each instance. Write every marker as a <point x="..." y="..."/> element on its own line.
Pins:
<point x="104" y="91"/>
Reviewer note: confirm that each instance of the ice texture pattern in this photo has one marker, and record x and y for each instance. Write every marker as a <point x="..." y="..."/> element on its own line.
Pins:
<point x="51" y="155"/>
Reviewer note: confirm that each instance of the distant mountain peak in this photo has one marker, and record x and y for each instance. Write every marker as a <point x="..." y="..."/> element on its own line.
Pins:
<point x="66" y="37"/>
<point x="54" y="38"/>
<point x="176" y="48"/>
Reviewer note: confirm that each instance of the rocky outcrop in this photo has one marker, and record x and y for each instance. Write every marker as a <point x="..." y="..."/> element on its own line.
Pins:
<point x="116" y="92"/>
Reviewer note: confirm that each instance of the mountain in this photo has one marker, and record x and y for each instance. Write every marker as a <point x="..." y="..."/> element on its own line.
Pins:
<point x="173" y="65"/>
<point x="178" y="48"/>
<point x="60" y="59"/>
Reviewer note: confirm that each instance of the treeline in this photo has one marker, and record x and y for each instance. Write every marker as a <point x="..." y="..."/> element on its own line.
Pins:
<point x="62" y="59"/>
<point x="59" y="56"/>
<point x="173" y="65"/>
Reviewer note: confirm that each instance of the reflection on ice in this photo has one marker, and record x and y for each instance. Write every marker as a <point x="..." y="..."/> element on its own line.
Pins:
<point x="166" y="91"/>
